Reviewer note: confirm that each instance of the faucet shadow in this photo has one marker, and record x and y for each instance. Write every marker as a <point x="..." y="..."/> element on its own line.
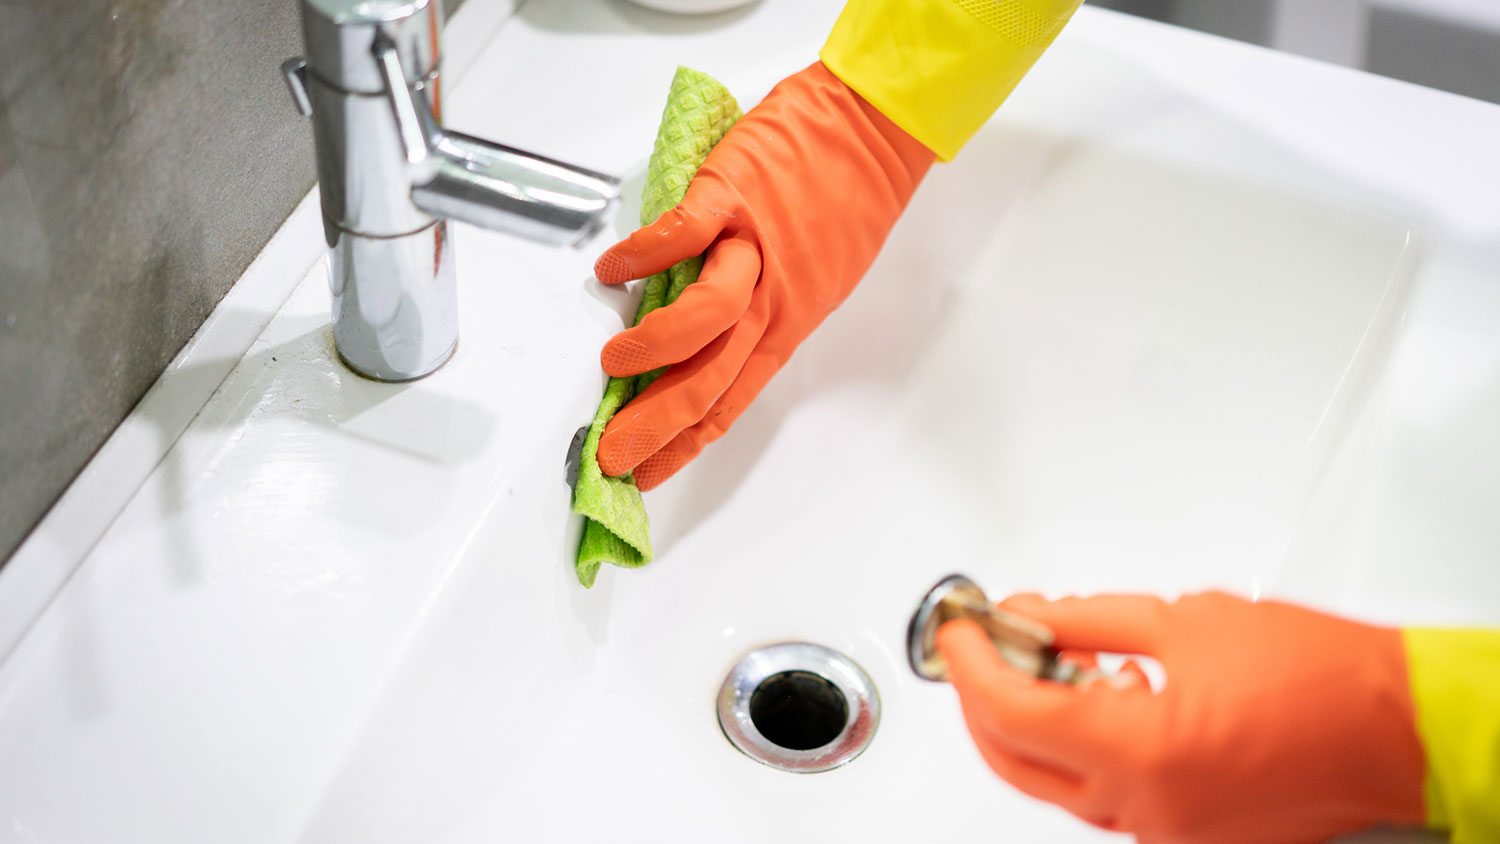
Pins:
<point x="300" y="382"/>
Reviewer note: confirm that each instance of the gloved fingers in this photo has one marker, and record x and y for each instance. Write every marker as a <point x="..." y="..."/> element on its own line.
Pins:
<point x="1034" y="779"/>
<point x="1039" y="779"/>
<point x="704" y="311"/>
<point x="682" y="396"/>
<point x="1062" y="725"/>
<point x="678" y="234"/>
<point x="1083" y="660"/>
<point x="1131" y="675"/>
<point x="665" y="463"/>
<point x="1132" y="624"/>
<point x="756" y="373"/>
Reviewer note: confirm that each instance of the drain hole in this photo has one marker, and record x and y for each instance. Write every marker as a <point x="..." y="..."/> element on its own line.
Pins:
<point x="798" y="710"/>
<point x="798" y="707"/>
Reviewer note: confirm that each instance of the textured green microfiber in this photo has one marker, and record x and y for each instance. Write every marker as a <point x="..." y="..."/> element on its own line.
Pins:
<point x="615" y="527"/>
<point x="615" y="530"/>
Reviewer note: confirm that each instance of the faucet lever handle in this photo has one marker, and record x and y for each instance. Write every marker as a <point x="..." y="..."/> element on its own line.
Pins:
<point x="455" y="176"/>
<point x="413" y="114"/>
<point x="294" y="71"/>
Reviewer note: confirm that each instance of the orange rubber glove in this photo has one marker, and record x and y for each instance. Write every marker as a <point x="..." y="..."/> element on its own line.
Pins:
<point x="1277" y="724"/>
<point x="791" y="206"/>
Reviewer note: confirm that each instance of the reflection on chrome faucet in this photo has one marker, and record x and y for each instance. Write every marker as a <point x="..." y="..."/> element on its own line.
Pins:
<point x="391" y="177"/>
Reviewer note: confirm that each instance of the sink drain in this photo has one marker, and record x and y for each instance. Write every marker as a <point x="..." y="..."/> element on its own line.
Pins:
<point x="799" y="707"/>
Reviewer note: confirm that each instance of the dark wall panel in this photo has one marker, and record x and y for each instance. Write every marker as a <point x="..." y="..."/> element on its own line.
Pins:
<point x="148" y="151"/>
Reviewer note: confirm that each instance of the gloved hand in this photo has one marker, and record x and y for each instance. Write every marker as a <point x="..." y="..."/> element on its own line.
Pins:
<point x="1276" y="724"/>
<point x="791" y="206"/>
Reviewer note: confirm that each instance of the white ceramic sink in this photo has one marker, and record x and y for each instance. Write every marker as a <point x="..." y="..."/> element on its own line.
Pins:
<point x="1186" y="314"/>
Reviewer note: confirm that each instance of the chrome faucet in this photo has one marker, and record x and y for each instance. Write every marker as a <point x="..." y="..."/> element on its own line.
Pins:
<point x="391" y="177"/>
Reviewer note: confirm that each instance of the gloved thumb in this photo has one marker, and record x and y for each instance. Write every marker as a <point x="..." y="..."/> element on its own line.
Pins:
<point x="1132" y="624"/>
<point x="1012" y="711"/>
<point x="972" y="658"/>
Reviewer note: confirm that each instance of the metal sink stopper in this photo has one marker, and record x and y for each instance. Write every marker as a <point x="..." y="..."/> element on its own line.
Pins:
<point x="1025" y="644"/>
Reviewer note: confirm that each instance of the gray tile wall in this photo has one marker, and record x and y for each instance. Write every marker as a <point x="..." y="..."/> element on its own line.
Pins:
<point x="1246" y="20"/>
<point x="1438" y="50"/>
<point x="148" y="151"/>
<point x="1452" y="45"/>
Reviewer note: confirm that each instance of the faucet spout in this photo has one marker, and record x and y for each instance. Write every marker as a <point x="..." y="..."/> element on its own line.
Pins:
<point x="391" y="177"/>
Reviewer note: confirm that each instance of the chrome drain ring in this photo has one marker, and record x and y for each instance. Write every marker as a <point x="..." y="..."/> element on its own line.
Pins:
<point x="835" y="679"/>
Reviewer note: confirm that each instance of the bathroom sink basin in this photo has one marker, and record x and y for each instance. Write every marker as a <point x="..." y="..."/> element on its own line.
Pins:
<point x="1162" y="326"/>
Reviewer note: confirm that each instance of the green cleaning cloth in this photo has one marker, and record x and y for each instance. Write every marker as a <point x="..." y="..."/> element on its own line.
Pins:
<point x="615" y="528"/>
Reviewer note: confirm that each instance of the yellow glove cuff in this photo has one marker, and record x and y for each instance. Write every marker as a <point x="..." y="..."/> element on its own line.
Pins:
<point x="1455" y="687"/>
<point x="940" y="68"/>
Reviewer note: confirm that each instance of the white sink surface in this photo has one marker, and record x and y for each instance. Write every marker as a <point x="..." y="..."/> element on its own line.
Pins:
<point x="1185" y="314"/>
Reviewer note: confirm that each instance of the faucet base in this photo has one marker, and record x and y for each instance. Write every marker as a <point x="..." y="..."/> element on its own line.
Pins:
<point x="372" y="377"/>
<point x="390" y="174"/>
<point x="395" y="301"/>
